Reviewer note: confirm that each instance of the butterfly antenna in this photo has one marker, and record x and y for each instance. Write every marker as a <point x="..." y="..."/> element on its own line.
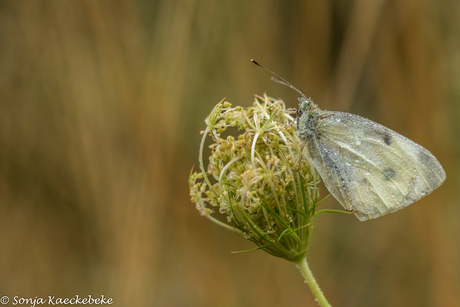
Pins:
<point x="279" y="79"/>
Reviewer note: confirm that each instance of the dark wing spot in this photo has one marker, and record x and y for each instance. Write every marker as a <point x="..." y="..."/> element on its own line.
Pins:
<point x="388" y="174"/>
<point x="387" y="139"/>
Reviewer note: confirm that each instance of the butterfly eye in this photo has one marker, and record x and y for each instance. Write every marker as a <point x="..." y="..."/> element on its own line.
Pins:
<point x="299" y="112"/>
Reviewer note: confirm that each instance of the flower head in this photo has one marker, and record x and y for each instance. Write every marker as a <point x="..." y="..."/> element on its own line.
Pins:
<point x="260" y="179"/>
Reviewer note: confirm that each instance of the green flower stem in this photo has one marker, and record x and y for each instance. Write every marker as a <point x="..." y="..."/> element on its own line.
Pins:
<point x="311" y="281"/>
<point x="224" y="225"/>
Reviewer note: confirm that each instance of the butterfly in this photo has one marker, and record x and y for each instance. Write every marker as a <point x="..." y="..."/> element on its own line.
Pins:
<point x="370" y="169"/>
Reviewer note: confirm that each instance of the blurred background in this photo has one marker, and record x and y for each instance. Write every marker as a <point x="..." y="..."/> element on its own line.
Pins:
<point x="101" y="104"/>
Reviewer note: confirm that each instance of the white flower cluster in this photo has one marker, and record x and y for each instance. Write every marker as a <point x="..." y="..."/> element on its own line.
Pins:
<point x="259" y="179"/>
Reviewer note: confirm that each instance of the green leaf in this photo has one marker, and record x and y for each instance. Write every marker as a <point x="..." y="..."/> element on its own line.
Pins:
<point x="332" y="211"/>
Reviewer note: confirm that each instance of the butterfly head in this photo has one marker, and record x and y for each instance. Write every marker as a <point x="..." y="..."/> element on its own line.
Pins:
<point x="306" y="105"/>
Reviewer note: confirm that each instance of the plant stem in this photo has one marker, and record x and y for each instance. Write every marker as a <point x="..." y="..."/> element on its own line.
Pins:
<point x="311" y="281"/>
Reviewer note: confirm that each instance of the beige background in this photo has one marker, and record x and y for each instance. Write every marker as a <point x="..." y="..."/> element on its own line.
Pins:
<point x="101" y="104"/>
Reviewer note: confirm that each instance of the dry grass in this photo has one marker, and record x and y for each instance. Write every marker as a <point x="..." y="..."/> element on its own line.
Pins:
<point x="101" y="104"/>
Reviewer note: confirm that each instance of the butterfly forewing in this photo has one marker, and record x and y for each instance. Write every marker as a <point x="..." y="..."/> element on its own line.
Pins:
<point x="370" y="169"/>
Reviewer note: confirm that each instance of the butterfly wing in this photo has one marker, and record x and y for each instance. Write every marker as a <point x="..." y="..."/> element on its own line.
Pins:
<point x="370" y="169"/>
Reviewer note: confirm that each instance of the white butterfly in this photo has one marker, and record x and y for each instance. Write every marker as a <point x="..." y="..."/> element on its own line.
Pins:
<point x="370" y="169"/>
